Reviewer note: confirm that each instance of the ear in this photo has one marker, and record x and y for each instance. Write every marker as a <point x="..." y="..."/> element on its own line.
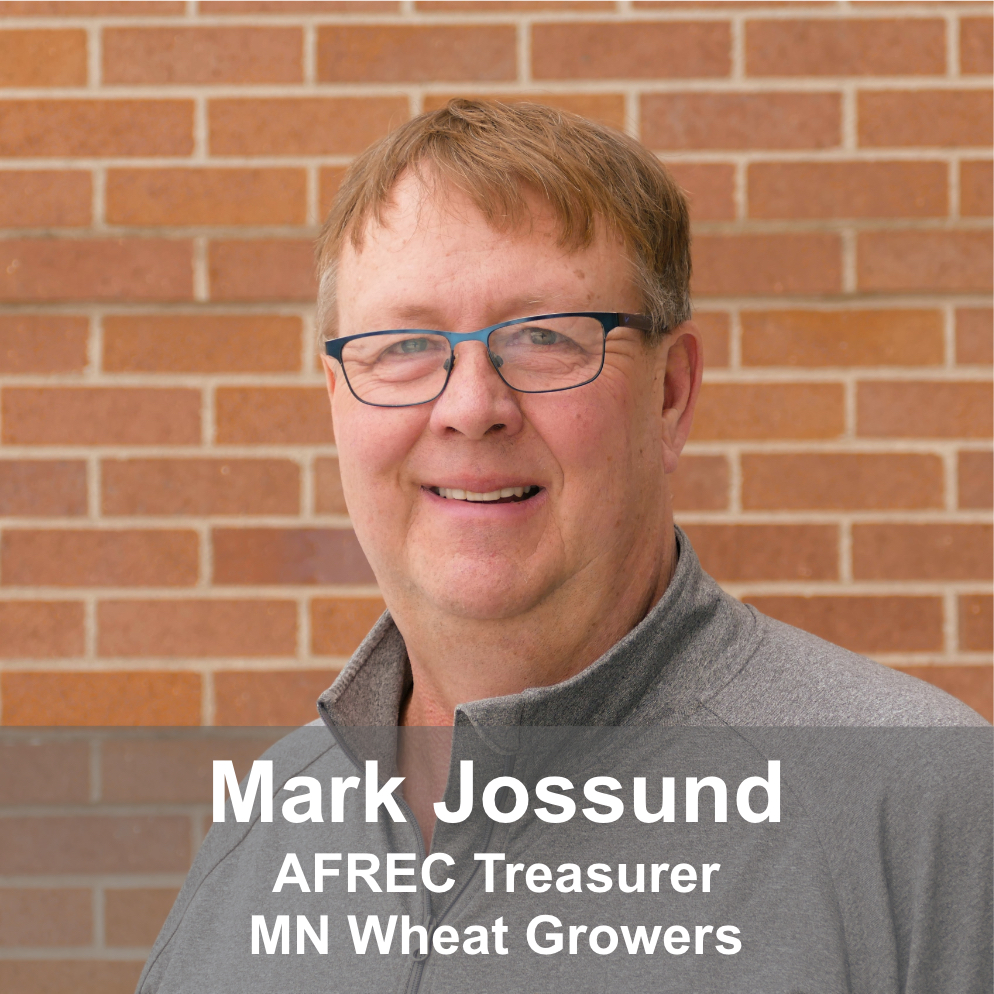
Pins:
<point x="329" y="374"/>
<point x="682" y="383"/>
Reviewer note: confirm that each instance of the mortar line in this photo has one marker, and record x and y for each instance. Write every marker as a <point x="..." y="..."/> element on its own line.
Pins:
<point x="950" y="622"/>
<point x="94" y="55"/>
<point x="309" y="54"/>
<point x="99" y="937"/>
<point x="953" y="179"/>
<point x="845" y="552"/>
<point x="523" y="51"/>
<point x="950" y="461"/>
<point x="207" y="706"/>
<point x="952" y="46"/>
<point x="303" y="629"/>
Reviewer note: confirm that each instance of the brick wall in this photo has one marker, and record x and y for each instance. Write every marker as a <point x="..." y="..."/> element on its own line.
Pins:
<point x="97" y="831"/>
<point x="174" y="547"/>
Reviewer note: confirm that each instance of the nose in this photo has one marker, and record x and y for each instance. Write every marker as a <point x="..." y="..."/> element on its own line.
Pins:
<point x="476" y="401"/>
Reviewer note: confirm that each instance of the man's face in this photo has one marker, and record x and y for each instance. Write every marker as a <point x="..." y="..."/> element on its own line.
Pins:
<point x="595" y="453"/>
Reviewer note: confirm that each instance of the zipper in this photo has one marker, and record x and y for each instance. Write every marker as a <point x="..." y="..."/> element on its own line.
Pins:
<point x="417" y="970"/>
<point x="414" y="978"/>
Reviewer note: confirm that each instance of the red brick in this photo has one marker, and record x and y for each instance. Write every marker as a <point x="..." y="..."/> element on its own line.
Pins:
<point x="41" y="629"/>
<point x="91" y="8"/>
<point x="42" y="343"/>
<point x="974" y="336"/>
<point x="486" y="7"/>
<point x="841" y="481"/>
<point x="329" y="180"/>
<point x="95" y="269"/>
<point x="298" y="6"/>
<point x="159" y="56"/>
<point x="388" y="53"/>
<point x="713" y="326"/>
<point x="201" y="343"/>
<point x="976" y="189"/>
<point x="94" y="698"/>
<point x="43" y="58"/>
<point x="38" y="488"/>
<point x="273" y="416"/>
<point x="94" y="844"/>
<point x="842" y="338"/>
<point x="38" y="128"/>
<point x="932" y="118"/>
<point x="262" y="269"/>
<point x="328" y="496"/>
<point x="767" y="552"/>
<point x="769" y="410"/>
<point x="100" y="416"/>
<point x="737" y="121"/>
<point x="976" y="480"/>
<point x="847" y="189"/>
<point x="200" y="486"/>
<point x="83" y="976"/>
<point x="203" y="628"/>
<point x="906" y="409"/>
<point x="700" y="484"/>
<point x="976" y="623"/>
<point x="73" y="558"/>
<point x="206" y="196"/>
<point x="632" y="50"/>
<point x="921" y="552"/>
<point x="919" y="261"/>
<point x="301" y="125"/>
<point x="135" y="916"/>
<point x="863" y="624"/>
<point x="35" y="916"/>
<point x="35" y="771"/>
<point x="39" y="198"/>
<point x="976" y="50"/>
<point x="284" y="697"/>
<point x="843" y="47"/>
<point x="169" y="769"/>
<point x="725" y="6"/>
<point x="973" y="685"/>
<point x="288" y="555"/>
<point x="710" y="188"/>
<point x="339" y="624"/>
<point x="767" y="264"/>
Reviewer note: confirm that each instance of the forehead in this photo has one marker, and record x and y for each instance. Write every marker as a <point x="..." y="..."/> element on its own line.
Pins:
<point x="434" y="250"/>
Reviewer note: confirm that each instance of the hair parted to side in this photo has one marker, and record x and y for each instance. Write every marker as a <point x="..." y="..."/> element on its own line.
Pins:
<point x="492" y="152"/>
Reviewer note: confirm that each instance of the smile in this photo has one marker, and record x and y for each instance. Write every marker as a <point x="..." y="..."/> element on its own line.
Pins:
<point x="506" y="495"/>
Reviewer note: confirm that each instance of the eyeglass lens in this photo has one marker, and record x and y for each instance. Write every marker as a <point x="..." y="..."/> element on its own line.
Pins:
<point x="410" y="367"/>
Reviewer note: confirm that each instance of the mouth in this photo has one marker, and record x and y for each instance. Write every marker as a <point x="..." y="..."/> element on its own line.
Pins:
<point x="506" y="495"/>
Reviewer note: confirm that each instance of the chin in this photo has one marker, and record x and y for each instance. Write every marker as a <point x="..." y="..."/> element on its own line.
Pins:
<point x="482" y="589"/>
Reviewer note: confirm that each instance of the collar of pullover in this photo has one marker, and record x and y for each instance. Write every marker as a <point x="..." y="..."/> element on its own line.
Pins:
<point x="692" y="643"/>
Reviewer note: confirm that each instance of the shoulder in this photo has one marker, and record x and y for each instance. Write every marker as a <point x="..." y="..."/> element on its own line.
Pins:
<point x="795" y="678"/>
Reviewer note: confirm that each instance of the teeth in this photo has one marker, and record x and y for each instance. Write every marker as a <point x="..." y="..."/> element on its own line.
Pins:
<point x="455" y="494"/>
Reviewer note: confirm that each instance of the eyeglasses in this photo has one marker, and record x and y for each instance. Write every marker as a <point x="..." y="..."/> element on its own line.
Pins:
<point x="541" y="354"/>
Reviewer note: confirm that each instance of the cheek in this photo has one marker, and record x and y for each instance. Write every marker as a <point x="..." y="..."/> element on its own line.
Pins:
<point x="588" y="431"/>
<point x="373" y="444"/>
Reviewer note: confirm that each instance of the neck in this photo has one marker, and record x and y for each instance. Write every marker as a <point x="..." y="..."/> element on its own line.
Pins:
<point x="456" y="659"/>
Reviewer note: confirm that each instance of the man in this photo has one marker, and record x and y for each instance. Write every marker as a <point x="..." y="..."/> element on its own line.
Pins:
<point x="513" y="373"/>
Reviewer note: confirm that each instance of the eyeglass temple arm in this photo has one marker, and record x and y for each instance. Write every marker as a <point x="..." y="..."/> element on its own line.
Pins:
<point x="640" y="322"/>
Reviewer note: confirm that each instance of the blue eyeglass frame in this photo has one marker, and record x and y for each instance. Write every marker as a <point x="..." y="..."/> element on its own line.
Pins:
<point x="609" y="321"/>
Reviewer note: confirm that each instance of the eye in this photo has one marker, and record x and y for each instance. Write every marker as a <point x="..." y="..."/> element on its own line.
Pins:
<point x="542" y="336"/>
<point x="413" y="345"/>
